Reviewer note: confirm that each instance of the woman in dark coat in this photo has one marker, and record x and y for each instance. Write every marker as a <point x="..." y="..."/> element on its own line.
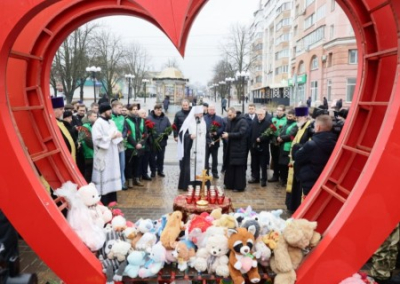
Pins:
<point x="235" y="135"/>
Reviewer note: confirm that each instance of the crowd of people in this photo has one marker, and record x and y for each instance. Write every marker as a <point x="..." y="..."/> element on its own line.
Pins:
<point x="120" y="146"/>
<point x="116" y="146"/>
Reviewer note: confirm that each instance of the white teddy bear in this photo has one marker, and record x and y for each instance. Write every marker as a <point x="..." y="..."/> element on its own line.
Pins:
<point x="91" y="197"/>
<point x="213" y="257"/>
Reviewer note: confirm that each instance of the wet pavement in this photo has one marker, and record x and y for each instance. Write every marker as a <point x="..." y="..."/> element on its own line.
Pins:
<point x="156" y="198"/>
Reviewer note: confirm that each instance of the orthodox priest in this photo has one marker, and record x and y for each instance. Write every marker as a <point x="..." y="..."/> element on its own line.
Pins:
<point x="106" y="171"/>
<point x="192" y="138"/>
<point x="58" y="108"/>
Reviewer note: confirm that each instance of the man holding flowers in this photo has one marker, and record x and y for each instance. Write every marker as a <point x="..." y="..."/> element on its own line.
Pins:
<point x="215" y="128"/>
<point x="162" y="129"/>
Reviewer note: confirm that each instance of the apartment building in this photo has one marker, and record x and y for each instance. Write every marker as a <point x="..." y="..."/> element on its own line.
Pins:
<point x="309" y="50"/>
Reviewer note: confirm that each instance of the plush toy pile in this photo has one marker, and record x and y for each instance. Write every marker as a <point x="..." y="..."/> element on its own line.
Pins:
<point x="226" y="245"/>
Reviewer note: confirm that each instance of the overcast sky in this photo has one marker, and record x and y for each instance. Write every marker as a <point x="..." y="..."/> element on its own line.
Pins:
<point x="202" y="49"/>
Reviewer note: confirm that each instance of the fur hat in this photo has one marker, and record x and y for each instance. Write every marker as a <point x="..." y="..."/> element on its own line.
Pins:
<point x="301" y="111"/>
<point x="104" y="107"/>
<point x="57" y="102"/>
<point x="67" y="113"/>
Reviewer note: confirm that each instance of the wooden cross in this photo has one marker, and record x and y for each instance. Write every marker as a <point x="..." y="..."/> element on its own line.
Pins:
<point x="203" y="178"/>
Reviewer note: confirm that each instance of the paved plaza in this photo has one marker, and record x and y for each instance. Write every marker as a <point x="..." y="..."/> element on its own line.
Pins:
<point x="156" y="198"/>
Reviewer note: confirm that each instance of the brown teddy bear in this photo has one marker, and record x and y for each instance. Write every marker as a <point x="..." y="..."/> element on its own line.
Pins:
<point x="298" y="235"/>
<point x="172" y="230"/>
<point x="241" y="259"/>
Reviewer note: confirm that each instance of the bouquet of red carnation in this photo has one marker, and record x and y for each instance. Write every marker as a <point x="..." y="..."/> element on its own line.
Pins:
<point x="152" y="134"/>
<point x="166" y="132"/>
<point x="270" y="131"/>
<point x="83" y="133"/>
<point x="214" y="126"/>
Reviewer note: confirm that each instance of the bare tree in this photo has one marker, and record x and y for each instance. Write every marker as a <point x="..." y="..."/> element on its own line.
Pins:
<point x="237" y="49"/>
<point x="70" y="61"/>
<point x="222" y="70"/>
<point x="172" y="62"/>
<point x="137" y="63"/>
<point x="109" y="54"/>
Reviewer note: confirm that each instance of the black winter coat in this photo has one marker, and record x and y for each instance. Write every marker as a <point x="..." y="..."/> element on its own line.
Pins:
<point x="237" y="141"/>
<point x="209" y="119"/>
<point x="311" y="159"/>
<point x="257" y="128"/>
<point x="161" y="123"/>
<point x="180" y="117"/>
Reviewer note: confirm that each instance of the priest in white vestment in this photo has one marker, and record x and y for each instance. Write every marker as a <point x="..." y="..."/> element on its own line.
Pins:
<point x="192" y="143"/>
<point x="106" y="172"/>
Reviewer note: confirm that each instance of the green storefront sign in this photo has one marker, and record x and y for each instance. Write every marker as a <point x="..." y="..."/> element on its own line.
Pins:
<point x="301" y="79"/>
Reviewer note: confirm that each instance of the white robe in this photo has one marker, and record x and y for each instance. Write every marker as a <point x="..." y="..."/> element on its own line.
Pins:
<point x="106" y="172"/>
<point x="198" y="148"/>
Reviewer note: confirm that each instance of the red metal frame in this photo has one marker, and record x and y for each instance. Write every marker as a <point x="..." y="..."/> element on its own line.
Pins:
<point x="354" y="200"/>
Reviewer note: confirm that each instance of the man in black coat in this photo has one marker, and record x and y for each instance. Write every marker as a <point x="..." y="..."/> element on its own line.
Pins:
<point x="180" y="117"/>
<point x="260" y="147"/>
<point x="213" y="121"/>
<point x="162" y="124"/>
<point x="311" y="159"/>
<point x="235" y="134"/>
<point x="250" y="116"/>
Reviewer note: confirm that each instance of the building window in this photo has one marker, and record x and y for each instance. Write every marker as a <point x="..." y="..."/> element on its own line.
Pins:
<point x="295" y="31"/>
<point x="329" y="89"/>
<point x="332" y="32"/>
<point x="258" y="79"/>
<point x="321" y="13"/>
<point x="314" y="63"/>
<point x="309" y="2"/>
<point x="353" y="56"/>
<point x="311" y="38"/>
<point x="333" y="3"/>
<point x="314" y="90"/>
<point x="351" y="85"/>
<point x="302" y="68"/>
<point x="309" y="21"/>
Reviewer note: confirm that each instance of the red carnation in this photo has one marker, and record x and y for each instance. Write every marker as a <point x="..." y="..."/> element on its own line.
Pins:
<point x="174" y="127"/>
<point x="149" y="124"/>
<point x="291" y="137"/>
<point x="216" y="124"/>
<point x="280" y="126"/>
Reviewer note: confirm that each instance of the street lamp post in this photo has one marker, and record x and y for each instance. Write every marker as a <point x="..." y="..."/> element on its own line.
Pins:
<point x="215" y="92"/>
<point x="242" y="77"/>
<point x="93" y="70"/>
<point x="145" y="81"/>
<point x="229" y="80"/>
<point x="129" y="78"/>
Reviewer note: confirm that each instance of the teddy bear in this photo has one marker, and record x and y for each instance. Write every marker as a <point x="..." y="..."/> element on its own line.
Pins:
<point x="185" y="254"/>
<point x="113" y="259"/>
<point x="271" y="221"/>
<point x="227" y="221"/>
<point x="136" y="259"/>
<point x="172" y="229"/>
<point x="241" y="259"/>
<point x="91" y="197"/>
<point x="196" y="228"/>
<point x="261" y="251"/>
<point x="213" y="257"/>
<point x="298" y="235"/>
<point x="155" y="263"/>
<point x="80" y="219"/>
<point x="146" y="237"/>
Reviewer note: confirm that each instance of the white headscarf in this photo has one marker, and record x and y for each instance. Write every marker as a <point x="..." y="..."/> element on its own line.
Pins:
<point x="190" y="120"/>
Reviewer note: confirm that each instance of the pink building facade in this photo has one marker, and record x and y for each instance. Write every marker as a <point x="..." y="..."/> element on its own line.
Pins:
<point x="323" y="57"/>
